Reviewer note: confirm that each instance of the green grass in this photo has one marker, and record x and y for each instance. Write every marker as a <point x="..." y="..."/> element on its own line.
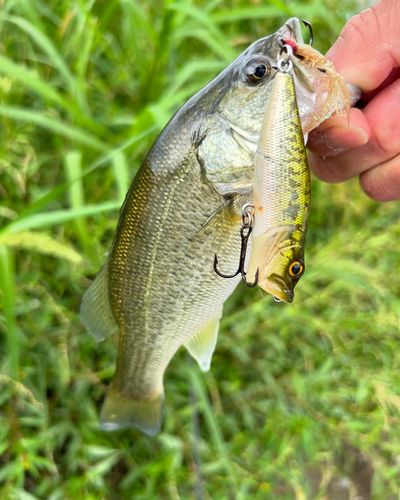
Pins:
<point x="295" y="392"/>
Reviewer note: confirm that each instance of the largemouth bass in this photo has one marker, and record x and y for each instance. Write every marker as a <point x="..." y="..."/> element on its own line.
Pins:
<point x="281" y="197"/>
<point x="158" y="288"/>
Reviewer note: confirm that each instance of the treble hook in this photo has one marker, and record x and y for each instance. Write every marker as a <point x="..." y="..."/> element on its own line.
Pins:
<point x="245" y="232"/>
<point x="308" y="25"/>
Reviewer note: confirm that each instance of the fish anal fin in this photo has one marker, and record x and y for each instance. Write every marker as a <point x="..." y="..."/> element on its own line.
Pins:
<point x="121" y="410"/>
<point x="201" y="345"/>
<point x="96" y="310"/>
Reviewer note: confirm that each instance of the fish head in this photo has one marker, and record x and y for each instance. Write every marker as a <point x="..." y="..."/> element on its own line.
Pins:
<point x="248" y="81"/>
<point x="228" y="113"/>
<point x="246" y="84"/>
<point x="281" y="262"/>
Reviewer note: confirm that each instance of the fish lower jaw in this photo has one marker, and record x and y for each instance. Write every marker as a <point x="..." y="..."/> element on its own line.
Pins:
<point x="280" y="293"/>
<point x="285" y="297"/>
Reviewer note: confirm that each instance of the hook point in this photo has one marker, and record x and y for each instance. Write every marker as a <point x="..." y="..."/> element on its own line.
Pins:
<point x="308" y="25"/>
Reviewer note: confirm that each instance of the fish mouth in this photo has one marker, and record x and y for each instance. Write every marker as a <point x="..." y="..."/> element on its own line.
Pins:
<point x="280" y="290"/>
<point x="291" y="30"/>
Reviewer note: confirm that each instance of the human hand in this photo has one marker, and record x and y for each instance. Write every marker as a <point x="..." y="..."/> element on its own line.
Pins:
<point x="367" y="54"/>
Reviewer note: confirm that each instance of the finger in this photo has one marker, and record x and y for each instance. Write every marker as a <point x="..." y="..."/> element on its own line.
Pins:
<point x="364" y="53"/>
<point x="337" y="134"/>
<point x="382" y="116"/>
<point x="382" y="183"/>
<point x="368" y="96"/>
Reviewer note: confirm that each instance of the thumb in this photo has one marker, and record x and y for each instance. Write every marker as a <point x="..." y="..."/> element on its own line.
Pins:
<point x="368" y="47"/>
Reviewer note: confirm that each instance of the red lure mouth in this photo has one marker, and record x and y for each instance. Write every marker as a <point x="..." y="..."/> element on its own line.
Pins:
<point x="292" y="44"/>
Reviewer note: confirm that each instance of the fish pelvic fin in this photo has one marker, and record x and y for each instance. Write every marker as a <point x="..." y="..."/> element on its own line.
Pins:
<point x="202" y="344"/>
<point x="96" y="313"/>
<point x="121" y="410"/>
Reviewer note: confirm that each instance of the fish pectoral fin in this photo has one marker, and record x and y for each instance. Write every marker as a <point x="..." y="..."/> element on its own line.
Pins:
<point x="201" y="345"/>
<point x="120" y="409"/>
<point x="96" y="310"/>
<point x="239" y="186"/>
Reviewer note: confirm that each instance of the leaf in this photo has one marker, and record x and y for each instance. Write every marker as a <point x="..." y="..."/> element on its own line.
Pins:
<point x="7" y="285"/>
<point x="46" y="219"/>
<point x="104" y="466"/>
<point x="212" y="423"/>
<point x="7" y="213"/>
<point x="59" y="190"/>
<point x="226" y="16"/>
<point x="21" y="389"/>
<point x="24" y="495"/>
<point x="73" y="170"/>
<point x="121" y="173"/>
<point x="49" y="48"/>
<point x="31" y="80"/>
<point x="53" y="125"/>
<point x="97" y="451"/>
<point x="214" y="35"/>
<point x="42" y="243"/>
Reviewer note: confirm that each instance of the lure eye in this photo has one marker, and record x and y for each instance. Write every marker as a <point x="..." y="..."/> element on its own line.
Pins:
<point x="257" y="69"/>
<point x="296" y="268"/>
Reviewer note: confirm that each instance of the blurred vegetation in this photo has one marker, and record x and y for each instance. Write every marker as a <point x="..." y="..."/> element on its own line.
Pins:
<point x="302" y="401"/>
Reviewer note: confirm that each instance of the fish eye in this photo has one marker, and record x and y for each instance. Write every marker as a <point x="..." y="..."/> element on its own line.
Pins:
<point x="257" y="69"/>
<point x="296" y="268"/>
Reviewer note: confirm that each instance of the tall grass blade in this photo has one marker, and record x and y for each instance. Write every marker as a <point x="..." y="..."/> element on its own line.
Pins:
<point x="134" y="15"/>
<point x="73" y="170"/>
<point x="46" y="91"/>
<point x="28" y="78"/>
<point x="42" y="243"/>
<point x="7" y="286"/>
<point x="56" y="217"/>
<point x="45" y="43"/>
<point x="60" y="190"/>
<point x="186" y="75"/>
<point x="84" y="55"/>
<point x="215" y="35"/>
<point x="203" y="35"/>
<point x="121" y="173"/>
<point x="53" y="125"/>
<point x="260" y="12"/>
<point x="212" y="423"/>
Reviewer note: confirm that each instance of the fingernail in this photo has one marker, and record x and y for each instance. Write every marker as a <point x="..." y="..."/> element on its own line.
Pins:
<point x="340" y="137"/>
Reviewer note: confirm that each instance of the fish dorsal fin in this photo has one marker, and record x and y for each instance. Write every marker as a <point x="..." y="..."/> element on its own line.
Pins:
<point x="96" y="310"/>
<point x="201" y="345"/>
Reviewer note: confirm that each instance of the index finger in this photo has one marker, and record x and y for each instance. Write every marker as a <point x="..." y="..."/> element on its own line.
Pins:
<point x="368" y="47"/>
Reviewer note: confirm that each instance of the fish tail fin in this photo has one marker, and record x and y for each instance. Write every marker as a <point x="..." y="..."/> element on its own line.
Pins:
<point x="120" y="409"/>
